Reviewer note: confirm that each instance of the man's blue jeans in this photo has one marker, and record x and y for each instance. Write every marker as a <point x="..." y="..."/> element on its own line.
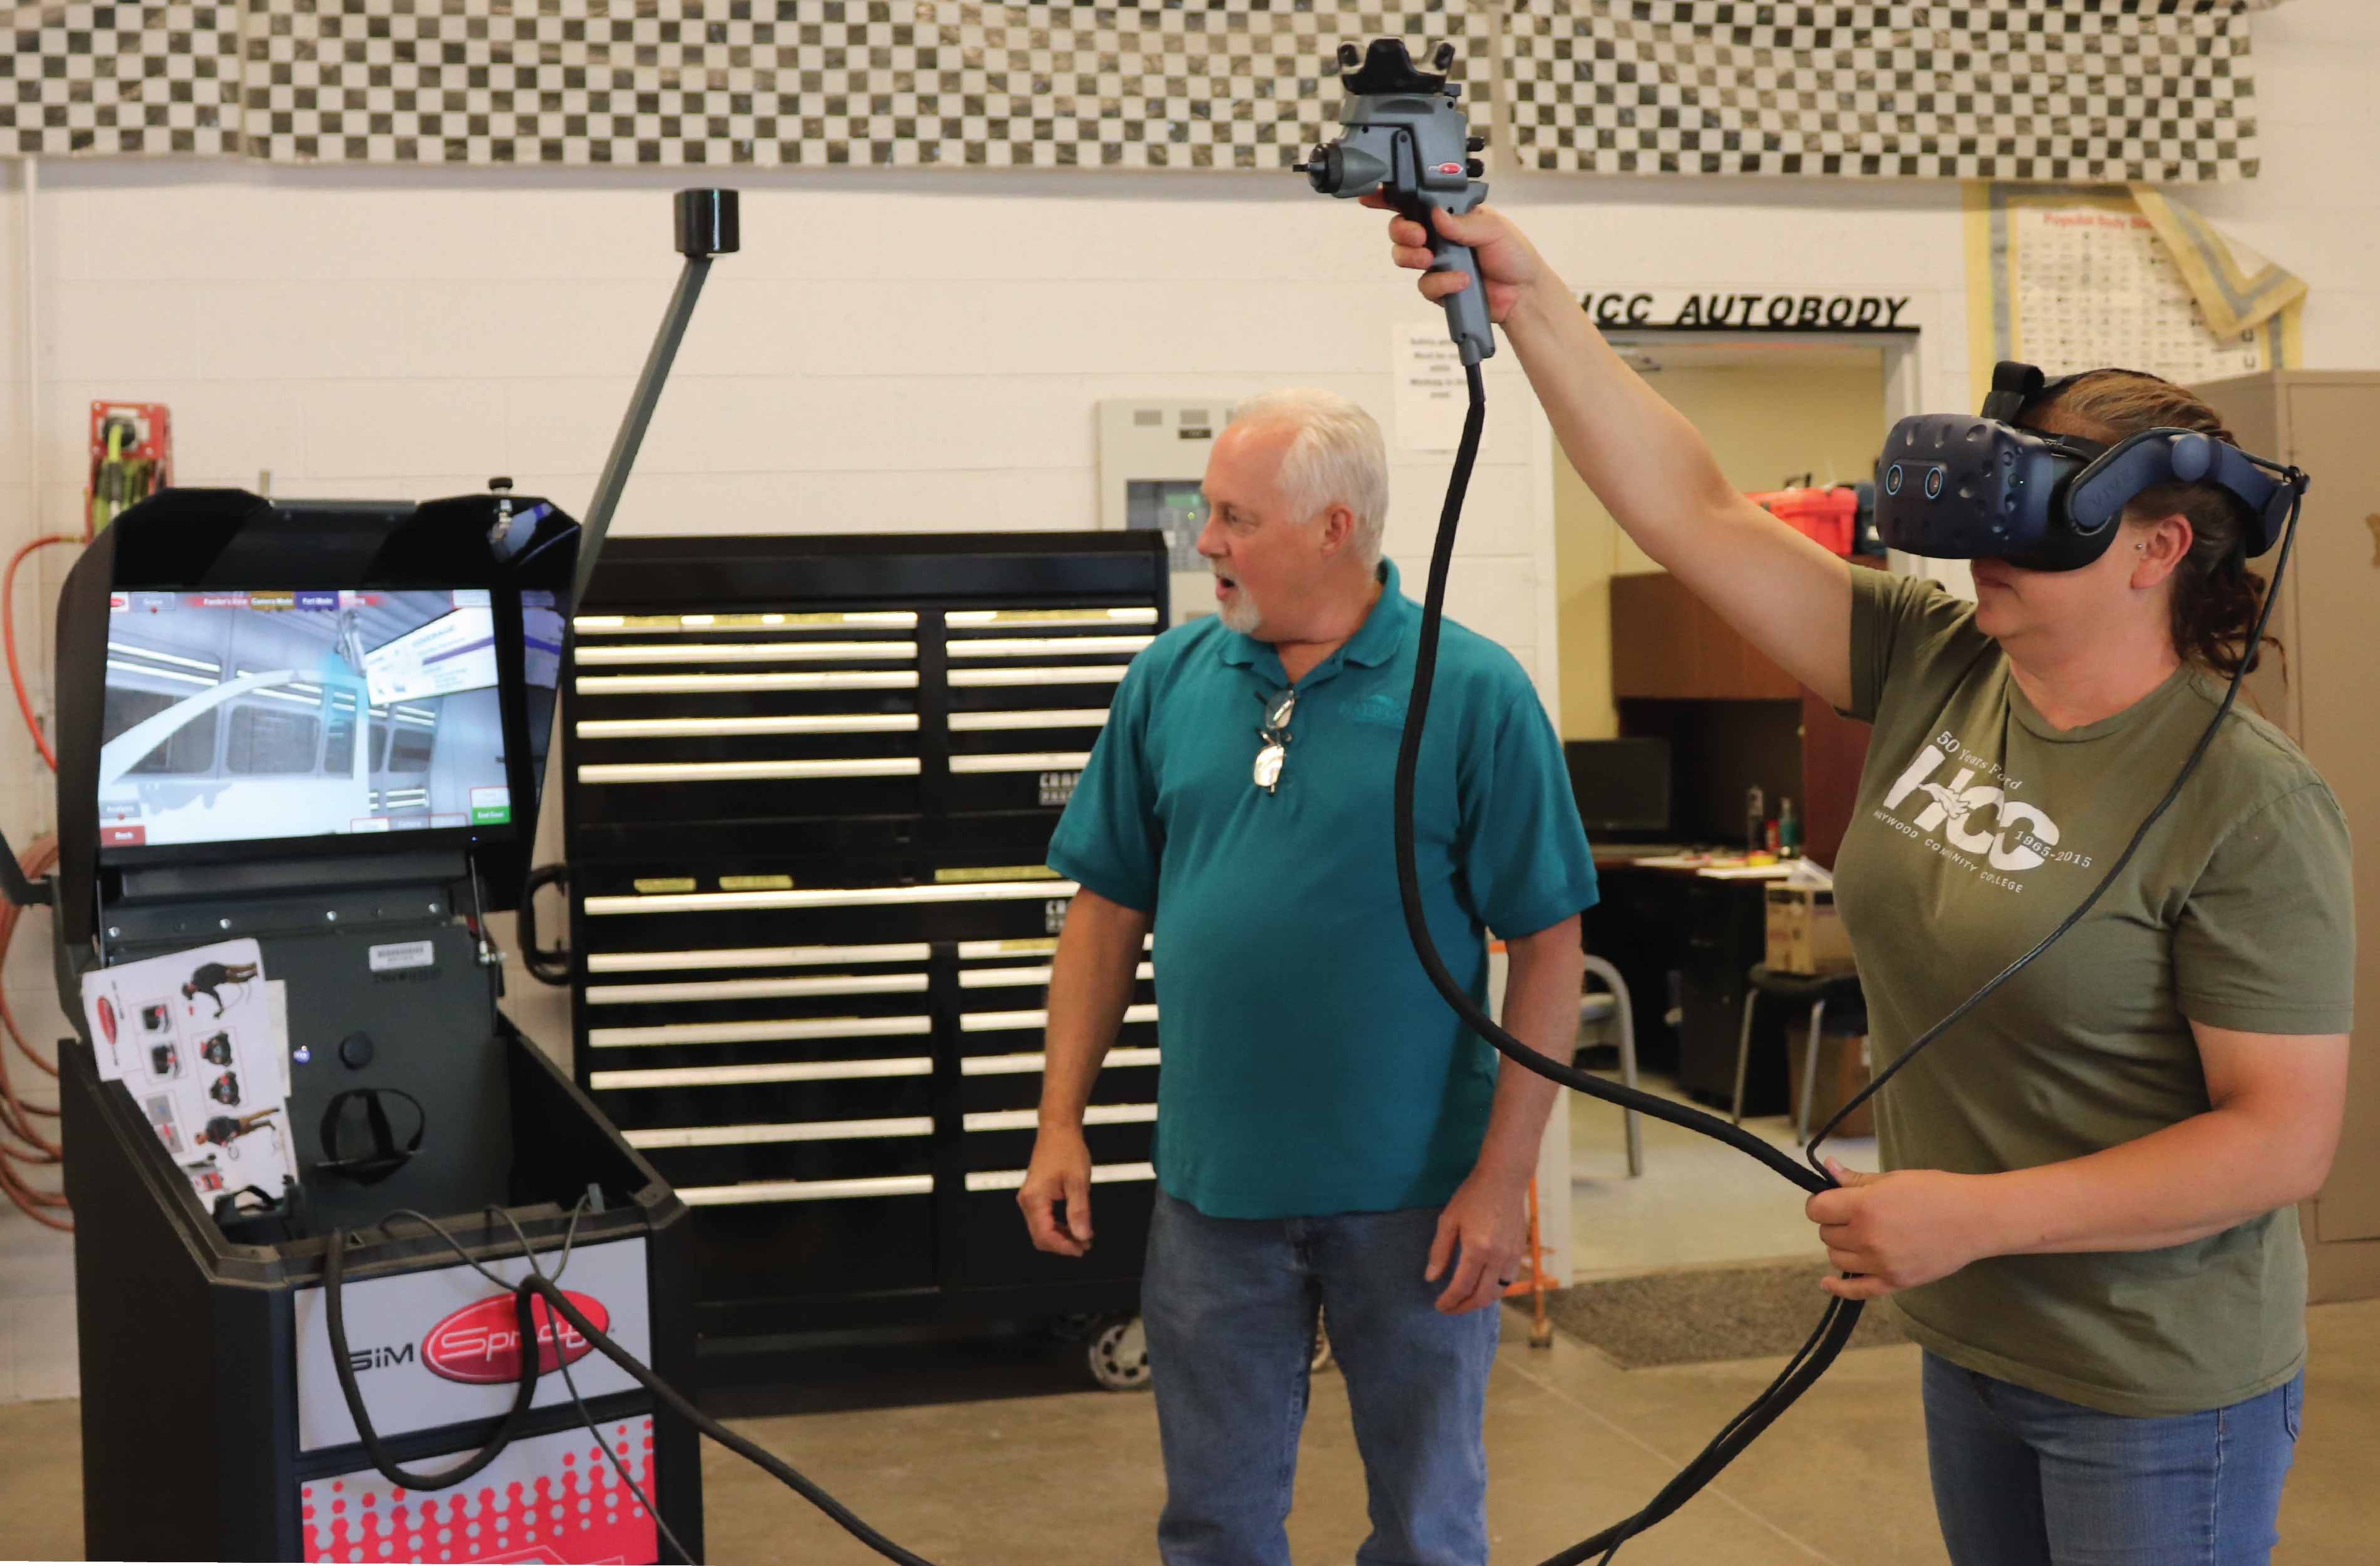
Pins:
<point x="2021" y="1478"/>
<point x="1230" y="1308"/>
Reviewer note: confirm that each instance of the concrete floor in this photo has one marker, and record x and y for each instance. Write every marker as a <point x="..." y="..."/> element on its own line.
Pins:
<point x="1699" y="1202"/>
<point x="37" y="1309"/>
<point x="988" y="1454"/>
<point x="1045" y="1474"/>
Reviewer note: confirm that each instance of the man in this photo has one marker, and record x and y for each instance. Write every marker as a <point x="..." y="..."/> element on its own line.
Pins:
<point x="1327" y="1134"/>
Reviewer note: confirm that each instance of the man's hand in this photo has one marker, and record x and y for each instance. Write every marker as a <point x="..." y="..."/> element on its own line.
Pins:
<point x="1897" y="1230"/>
<point x="1090" y="986"/>
<point x="1488" y="1222"/>
<point x="1061" y="1171"/>
<point x="1508" y="263"/>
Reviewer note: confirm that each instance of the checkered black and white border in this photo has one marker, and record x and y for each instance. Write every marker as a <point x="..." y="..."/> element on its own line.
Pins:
<point x="1236" y="84"/>
<point x="1241" y="84"/>
<point x="2003" y="90"/>
<point x="101" y="80"/>
<point x="584" y="81"/>
<point x="2017" y="91"/>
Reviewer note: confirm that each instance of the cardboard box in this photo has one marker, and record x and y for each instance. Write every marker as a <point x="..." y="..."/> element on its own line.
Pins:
<point x="1843" y="1070"/>
<point x="1806" y="934"/>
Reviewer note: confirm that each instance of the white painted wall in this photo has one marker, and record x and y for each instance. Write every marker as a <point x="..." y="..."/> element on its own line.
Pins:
<point x="899" y="349"/>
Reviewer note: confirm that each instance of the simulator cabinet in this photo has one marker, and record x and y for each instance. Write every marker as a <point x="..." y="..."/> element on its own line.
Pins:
<point x="300" y="747"/>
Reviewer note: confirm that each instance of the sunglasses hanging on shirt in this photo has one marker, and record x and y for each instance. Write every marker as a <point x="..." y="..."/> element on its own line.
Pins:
<point x="1274" y="731"/>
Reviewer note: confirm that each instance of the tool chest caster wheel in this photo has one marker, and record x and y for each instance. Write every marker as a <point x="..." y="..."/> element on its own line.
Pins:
<point x="1118" y="1354"/>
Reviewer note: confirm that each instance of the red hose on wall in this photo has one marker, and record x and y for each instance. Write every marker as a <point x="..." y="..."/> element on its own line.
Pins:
<point x="17" y="1116"/>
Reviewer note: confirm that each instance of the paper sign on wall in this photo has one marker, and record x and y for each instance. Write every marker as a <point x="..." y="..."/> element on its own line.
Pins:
<point x="1432" y="394"/>
<point x="2074" y="279"/>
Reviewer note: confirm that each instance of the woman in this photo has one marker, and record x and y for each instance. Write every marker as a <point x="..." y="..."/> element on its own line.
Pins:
<point x="2087" y="1216"/>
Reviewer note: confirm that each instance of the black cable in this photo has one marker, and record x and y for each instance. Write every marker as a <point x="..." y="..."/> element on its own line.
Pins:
<point x="1409" y="879"/>
<point x="562" y="1363"/>
<point x="1841" y="1317"/>
<point x="423" y="1219"/>
<point x="387" y="1157"/>
<point x="525" y="1389"/>
<point x="1817" y="1357"/>
<point x="536" y="1285"/>
<point x="2296" y="479"/>
<point x="758" y="1456"/>
<point x="546" y="967"/>
<point x="525" y="1315"/>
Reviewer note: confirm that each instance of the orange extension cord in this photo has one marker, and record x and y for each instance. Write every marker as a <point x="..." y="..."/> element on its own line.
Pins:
<point x="17" y="1116"/>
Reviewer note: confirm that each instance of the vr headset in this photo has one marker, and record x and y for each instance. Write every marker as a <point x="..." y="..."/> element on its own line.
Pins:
<point x="1961" y="487"/>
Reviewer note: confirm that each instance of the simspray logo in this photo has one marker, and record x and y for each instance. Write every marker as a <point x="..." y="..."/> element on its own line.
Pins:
<point x="482" y="1343"/>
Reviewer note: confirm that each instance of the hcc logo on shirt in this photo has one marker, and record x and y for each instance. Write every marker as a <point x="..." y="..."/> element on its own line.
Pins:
<point x="2022" y="835"/>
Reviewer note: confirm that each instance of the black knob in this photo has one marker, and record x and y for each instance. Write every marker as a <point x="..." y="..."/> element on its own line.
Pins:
<point x="499" y="484"/>
<point x="1474" y="167"/>
<point x="709" y="223"/>
<point x="1350" y="56"/>
<point x="1444" y="58"/>
<point x="1476" y="144"/>
<point x="356" y="1051"/>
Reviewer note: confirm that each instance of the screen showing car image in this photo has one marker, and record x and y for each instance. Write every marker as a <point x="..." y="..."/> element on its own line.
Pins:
<point x="238" y="715"/>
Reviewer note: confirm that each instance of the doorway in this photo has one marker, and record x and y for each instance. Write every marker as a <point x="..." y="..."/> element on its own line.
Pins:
<point x="1776" y="415"/>
<point x="1772" y="412"/>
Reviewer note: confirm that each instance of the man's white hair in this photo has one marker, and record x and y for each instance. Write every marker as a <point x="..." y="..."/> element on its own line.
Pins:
<point x="1338" y="458"/>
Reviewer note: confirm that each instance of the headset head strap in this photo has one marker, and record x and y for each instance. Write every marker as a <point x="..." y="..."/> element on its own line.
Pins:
<point x="2014" y="385"/>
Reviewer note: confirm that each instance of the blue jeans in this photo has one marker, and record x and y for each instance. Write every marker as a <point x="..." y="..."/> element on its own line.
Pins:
<point x="1230" y="1308"/>
<point x="2021" y="1478"/>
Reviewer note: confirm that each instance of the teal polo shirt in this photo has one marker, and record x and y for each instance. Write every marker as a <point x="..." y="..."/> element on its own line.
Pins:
<point x="1309" y="1066"/>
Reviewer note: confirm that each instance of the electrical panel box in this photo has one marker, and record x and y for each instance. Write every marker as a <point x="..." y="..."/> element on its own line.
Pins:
<point x="1152" y="459"/>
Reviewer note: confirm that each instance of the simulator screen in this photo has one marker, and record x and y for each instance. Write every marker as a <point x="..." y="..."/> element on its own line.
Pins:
<point x="238" y="715"/>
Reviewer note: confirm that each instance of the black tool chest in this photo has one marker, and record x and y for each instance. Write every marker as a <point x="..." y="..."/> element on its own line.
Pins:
<point x="810" y="788"/>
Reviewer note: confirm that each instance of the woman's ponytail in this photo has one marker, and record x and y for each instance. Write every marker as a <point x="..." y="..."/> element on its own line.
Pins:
<point x="2216" y="599"/>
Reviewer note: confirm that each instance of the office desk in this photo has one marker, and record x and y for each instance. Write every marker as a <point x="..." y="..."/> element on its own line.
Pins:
<point x="1683" y="941"/>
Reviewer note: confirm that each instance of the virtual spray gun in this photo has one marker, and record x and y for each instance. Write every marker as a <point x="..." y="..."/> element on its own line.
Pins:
<point x="1402" y="136"/>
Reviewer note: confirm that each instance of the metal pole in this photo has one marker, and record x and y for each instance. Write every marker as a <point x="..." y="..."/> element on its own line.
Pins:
<point x="706" y="226"/>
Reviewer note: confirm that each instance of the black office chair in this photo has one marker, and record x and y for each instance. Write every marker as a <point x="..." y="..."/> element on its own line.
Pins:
<point x="1818" y="992"/>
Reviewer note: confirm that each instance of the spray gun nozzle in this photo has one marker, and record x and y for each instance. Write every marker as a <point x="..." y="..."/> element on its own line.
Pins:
<point x="1324" y="168"/>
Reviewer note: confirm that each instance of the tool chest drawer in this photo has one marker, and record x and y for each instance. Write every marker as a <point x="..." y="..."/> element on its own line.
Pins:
<point x="810" y="784"/>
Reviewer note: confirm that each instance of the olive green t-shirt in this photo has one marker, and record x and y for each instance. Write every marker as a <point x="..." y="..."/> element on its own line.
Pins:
<point x="1978" y="828"/>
